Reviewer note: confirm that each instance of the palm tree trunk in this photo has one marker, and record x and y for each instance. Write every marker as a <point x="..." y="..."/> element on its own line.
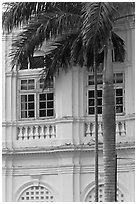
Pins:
<point x="109" y="147"/>
<point x="96" y="129"/>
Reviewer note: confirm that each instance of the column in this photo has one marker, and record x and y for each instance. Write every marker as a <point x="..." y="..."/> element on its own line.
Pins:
<point x="63" y="107"/>
<point x="66" y="176"/>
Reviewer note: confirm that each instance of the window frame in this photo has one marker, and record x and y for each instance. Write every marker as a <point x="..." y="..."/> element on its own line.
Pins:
<point x="36" y="91"/>
<point x="29" y="118"/>
<point x="100" y="87"/>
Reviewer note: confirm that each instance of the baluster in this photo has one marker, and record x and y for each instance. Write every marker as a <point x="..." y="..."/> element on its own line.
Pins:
<point x="25" y="133"/>
<point x="123" y="129"/>
<point x="93" y="130"/>
<point x="100" y="131"/>
<point x="88" y="131"/>
<point x="31" y="133"/>
<point x="42" y="132"/>
<point x="53" y="132"/>
<point x="48" y="131"/>
<point x="20" y="135"/>
<point x="36" y="132"/>
<point x="117" y="129"/>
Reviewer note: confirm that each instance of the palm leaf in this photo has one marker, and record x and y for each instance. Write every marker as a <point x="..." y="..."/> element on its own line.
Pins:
<point x="19" y="13"/>
<point x="97" y="24"/>
<point x="44" y="26"/>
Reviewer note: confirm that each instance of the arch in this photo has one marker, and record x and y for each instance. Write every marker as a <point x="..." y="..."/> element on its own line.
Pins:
<point x="32" y="184"/>
<point x="88" y="192"/>
<point x="88" y="188"/>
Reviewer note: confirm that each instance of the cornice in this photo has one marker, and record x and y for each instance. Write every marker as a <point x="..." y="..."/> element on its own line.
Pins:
<point x="64" y="119"/>
<point x="62" y="148"/>
<point x="59" y="169"/>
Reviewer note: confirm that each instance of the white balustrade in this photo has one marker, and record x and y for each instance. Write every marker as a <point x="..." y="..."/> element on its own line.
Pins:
<point x="47" y="131"/>
<point x="20" y="134"/>
<point x="100" y="131"/>
<point x="93" y="130"/>
<point x="123" y="129"/>
<point x="117" y="129"/>
<point x="53" y="131"/>
<point x="90" y="131"/>
<point x="36" y="132"/>
<point x="31" y="133"/>
<point x="25" y="133"/>
<point x="42" y="132"/>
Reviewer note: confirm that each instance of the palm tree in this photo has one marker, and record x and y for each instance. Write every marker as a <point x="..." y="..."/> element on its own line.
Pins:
<point x="80" y="33"/>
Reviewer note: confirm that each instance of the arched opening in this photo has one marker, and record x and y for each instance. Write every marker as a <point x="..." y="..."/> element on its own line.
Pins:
<point x="91" y="195"/>
<point x="36" y="194"/>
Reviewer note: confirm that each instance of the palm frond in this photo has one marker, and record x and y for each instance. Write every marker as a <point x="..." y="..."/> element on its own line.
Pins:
<point x="19" y="13"/>
<point x="97" y="24"/>
<point x="44" y="26"/>
<point x="60" y="56"/>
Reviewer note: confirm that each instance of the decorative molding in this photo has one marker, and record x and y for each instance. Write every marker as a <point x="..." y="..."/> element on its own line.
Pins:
<point x="36" y="171"/>
<point x="62" y="148"/>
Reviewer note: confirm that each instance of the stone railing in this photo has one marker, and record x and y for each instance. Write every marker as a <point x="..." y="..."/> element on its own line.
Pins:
<point x="36" y="132"/>
<point x="90" y="131"/>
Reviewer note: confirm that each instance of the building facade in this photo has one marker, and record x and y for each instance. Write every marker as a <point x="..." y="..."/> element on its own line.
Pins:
<point x="48" y="137"/>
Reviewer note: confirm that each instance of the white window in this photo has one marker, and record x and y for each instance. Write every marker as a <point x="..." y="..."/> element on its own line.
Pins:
<point x="119" y="93"/>
<point x="36" y="102"/>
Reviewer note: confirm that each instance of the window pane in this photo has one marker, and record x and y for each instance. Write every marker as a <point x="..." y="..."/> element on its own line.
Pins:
<point x="119" y="100"/>
<point x="23" y="84"/>
<point x="30" y="105"/>
<point x="91" y="102"/>
<point x="50" y="112"/>
<point x="50" y="96"/>
<point x="42" y="105"/>
<point x="31" y="114"/>
<point x="99" y="101"/>
<point x="42" y="113"/>
<point x="30" y="84"/>
<point x="23" y="87"/>
<point x="42" y="97"/>
<point x="23" y="106"/>
<point x="119" y="92"/>
<point x="99" y="93"/>
<point x="23" y="114"/>
<point x="91" y="110"/>
<point x="49" y="104"/>
<point x="99" y="110"/>
<point x="119" y="109"/>
<point x="31" y="81"/>
<point x="91" y="94"/>
<point x="23" y="98"/>
<point x="27" y="84"/>
<point x="30" y="97"/>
